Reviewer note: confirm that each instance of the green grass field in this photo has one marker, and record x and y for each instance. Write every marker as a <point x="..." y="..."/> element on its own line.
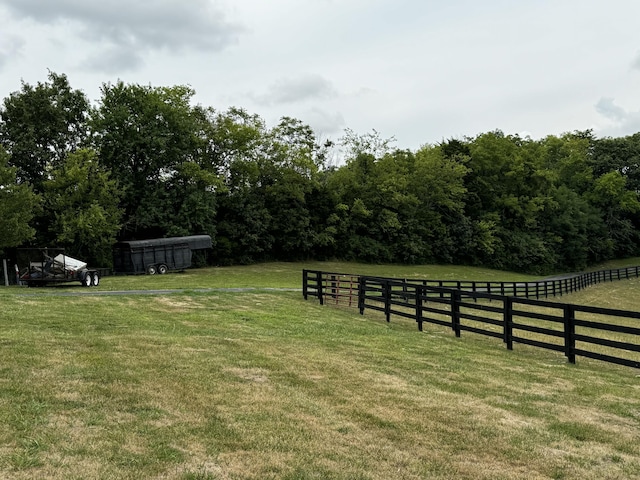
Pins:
<point x="264" y="385"/>
<point x="278" y="275"/>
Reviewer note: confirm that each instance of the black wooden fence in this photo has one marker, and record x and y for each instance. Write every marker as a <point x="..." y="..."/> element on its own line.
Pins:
<point x="505" y="310"/>
<point x="329" y="286"/>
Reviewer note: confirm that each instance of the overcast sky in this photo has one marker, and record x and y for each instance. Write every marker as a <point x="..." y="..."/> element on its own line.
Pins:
<point x="417" y="70"/>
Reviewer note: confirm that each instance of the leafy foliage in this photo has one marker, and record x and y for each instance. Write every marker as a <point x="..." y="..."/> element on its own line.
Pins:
<point x="83" y="200"/>
<point x="17" y="206"/>
<point x="160" y="166"/>
<point x="41" y="125"/>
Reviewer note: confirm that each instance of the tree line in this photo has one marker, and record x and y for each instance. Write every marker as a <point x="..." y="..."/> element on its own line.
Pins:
<point x="144" y="162"/>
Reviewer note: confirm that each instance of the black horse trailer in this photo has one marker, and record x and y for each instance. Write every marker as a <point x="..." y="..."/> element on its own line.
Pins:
<point x="157" y="255"/>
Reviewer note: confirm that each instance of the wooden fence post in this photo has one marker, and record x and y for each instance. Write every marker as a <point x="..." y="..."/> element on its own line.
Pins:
<point x="508" y="322"/>
<point x="320" y="288"/>
<point x="334" y="291"/>
<point x="569" y="333"/>
<point x="361" y="293"/>
<point x="419" y="294"/>
<point x="304" y="284"/>
<point x="386" y="291"/>
<point x="455" y="311"/>
<point x="5" y="271"/>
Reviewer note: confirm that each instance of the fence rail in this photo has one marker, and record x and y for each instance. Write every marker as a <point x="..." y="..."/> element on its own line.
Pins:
<point x="510" y="311"/>
<point x="324" y="284"/>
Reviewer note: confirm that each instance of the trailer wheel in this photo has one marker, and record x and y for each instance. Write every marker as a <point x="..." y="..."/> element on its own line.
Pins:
<point x="86" y="281"/>
<point x="95" y="281"/>
<point x="162" y="269"/>
<point x="151" y="270"/>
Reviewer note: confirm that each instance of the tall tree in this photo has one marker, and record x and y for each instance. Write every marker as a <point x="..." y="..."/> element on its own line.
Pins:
<point x="289" y="165"/>
<point x="242" y="220"/>
<point x="621" y="155"/>
<point x="620" y="206"/>
<point x="17" y="206"/>
<point x="156" y="145"/>
<point x="271" y="184"/>
<point x="40" y="125"/>
<point x="83" y="200"/>
<point x="438" y="182"/>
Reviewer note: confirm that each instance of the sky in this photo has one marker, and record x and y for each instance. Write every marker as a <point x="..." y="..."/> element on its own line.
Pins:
<point x="417" y="71"/>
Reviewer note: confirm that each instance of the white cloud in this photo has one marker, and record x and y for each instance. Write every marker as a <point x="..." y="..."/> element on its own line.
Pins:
<point x="622" y="122"/>
<point x="324" y="123"/>
<point x="417" y="70"/>
<point x="607" y="108"/>
<point x="294" y="90"/>
<point x="113" y="60"/>
<point x="10" y="47"/>
<point x="123" y="30"/>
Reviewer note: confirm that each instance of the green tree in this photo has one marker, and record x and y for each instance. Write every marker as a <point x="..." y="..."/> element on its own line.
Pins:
<point x="271" y="179"/>
<point x="509" y="189"/>
<point x="620" y="206"/>
<point x="242" y="220"/>
<point x="438" y="182"/>
<point x="370" y="143"/>
<point x="159" y="149"/>
<point x="18" y="203"/>
<point x="289" y="168"/>
<point x="83" y="200"/>
<point x="618" y="154"/>
<point x="575" y="230"/>
<point x="357" y="211"/>
<point x="40" y="125"/>
<point x="569" y="157"/>
<point x="398" y="208"/>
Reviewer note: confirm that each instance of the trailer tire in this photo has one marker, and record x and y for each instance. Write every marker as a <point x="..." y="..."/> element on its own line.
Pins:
<point x="86" y="281"/>
<point x="162" y="269"/>
<point x="95" y="279"/>
<point x="151" y="270"/>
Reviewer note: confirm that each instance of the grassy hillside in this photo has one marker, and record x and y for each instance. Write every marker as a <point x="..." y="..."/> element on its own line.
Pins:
<point x="262" y="384"/>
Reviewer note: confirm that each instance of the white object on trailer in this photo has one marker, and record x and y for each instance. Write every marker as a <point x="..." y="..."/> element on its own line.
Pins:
<point x="68" y="263"/>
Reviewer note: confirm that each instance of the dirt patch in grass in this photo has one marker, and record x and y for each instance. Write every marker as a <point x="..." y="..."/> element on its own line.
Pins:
<point x="257" y="375"/>
<point x="177" y="304"/>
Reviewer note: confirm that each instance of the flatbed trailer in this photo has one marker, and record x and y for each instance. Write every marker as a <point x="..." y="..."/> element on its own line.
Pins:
<point x="47" y="266"/>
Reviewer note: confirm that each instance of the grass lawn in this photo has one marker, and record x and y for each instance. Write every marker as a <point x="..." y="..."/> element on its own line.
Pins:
<point x="262" y="384"/>
<point x="278" y="275"/>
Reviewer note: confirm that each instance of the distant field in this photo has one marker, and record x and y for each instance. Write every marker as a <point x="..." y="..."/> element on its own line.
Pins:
<point x="282" y="275"/>
<point x="264" y="385"/>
